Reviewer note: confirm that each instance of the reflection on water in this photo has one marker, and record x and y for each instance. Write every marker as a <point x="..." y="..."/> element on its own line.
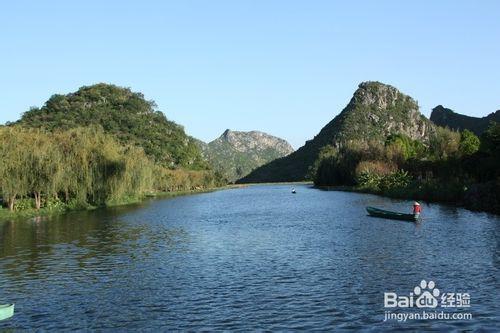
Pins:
<point x="44" y="246"/>
<point x="252" y="258"/>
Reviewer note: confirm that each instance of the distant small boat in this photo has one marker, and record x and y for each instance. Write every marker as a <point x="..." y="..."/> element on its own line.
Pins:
<point x="6" y="311"/>
<point x="387" y="214"/>
<point x="293" y="191"/>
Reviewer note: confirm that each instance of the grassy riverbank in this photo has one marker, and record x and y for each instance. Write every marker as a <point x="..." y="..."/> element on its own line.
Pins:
<point x="43" y="173"/>
<point x="61" y="208"/>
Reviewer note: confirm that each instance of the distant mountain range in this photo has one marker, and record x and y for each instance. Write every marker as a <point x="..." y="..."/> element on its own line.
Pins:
<point x="375" y="111"/>
<point x="133" y="120"/>
<point x="235" y="154"/>
<point x="448" y="118"/>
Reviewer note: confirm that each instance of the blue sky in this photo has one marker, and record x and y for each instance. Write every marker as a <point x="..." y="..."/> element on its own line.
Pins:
<point x="283" y="67"/>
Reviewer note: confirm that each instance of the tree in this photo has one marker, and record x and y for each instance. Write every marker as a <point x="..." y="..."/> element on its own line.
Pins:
<point x="126" y="115"/>
<point x="85" y="165"/>
<point x="444" y="143"/>
<point x="490" y="139"/>
<point x="402" y="147"/>
<point x="44" y="167"/>
<point x="13" y="161"/>
<point x="469" y="143"/>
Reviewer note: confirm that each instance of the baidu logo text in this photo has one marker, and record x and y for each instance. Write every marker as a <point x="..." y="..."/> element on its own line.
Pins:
<point x="423" y="296"/>
<point x="426" y="295"/>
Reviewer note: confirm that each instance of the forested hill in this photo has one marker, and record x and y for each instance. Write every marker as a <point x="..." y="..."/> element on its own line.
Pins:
<point x="375" y="111"/>
<point x="448" y="118"/>
<point x="235" y="154"/>
<point x="124" y="114"/>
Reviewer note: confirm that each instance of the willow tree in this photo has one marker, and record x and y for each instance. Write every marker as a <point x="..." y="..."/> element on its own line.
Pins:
<point x="75" y="147"/>
<point x="43" y="165"/>
<point x="89" y="159"/>
<point x="13" y="164"/>
<point x="86" y="165"/>
<point x="138" y="177"/>
<point x="444" y="143"/>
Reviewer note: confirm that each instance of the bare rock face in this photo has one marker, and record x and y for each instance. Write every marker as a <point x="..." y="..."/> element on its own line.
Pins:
<point x="235" y="154"/>
<point x="377" y="110"/>
<point x="255" y="141"/>
<point x="377" y="95"/>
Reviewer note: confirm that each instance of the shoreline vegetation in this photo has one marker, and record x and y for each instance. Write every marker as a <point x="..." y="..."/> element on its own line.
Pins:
<point x="45" y="172"/>
<point x="28" y="213"/>
<point x="457" y="168"/>
<point x="381" y="143"/>
<point x="100" y="146"/>
<point x="105" y="146"/>
<point x="401" y="194"/>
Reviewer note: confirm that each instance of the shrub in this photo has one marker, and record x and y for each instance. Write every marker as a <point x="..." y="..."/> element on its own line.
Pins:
<point x="23" y="204"/>
<point x="379" y="168"/>
<point x="469" y="143"/>
<point x="396" y="180"/>
<point x="444" y="143"/>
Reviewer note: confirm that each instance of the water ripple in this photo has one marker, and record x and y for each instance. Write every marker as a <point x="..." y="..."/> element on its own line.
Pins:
<point x="246" y="259"/>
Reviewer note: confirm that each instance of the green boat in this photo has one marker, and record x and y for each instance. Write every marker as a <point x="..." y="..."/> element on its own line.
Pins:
<point x="6" y="311"/>
<point x="387" y="214"/>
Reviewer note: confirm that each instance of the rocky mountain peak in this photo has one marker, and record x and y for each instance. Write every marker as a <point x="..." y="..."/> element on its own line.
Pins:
<point x="375" y="111"/>
<point x="226" y="133"/>
<point x="379" y="95"/>
<point x="255" y="141"/>
<point x="235" y="153"/>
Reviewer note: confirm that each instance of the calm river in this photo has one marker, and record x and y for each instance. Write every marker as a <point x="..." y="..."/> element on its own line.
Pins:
<point x="255" y="258"/>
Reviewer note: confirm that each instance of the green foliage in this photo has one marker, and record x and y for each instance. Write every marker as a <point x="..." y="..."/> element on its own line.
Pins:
<point x="375" y="111"/>
<point x="54" y="203"/>
<point x="338" y="166"/>
<point x="490" y="140"/>
<point x="383" y="182"/>
<point x="489" y="164"/>
<point x="469" y="143"/>
<point x="185" y="180"/>
<point x="429" y="190"/>
<point x="403" y="148"/>
<point x="328" y="152"/>
<point x="451" y="170"/>
<point x="13" y="164"/>
<point x="235" y="154"/>
<point x="380" y="167"/>
<point x="398" y="179"/>
<point x="444" y="143"/>
<point x="124" y="114"/>
<point x="82" y="167"/>
<point x="102" y="145"/>
<point x="369" y="173"/>
<point x="24" y="204"/>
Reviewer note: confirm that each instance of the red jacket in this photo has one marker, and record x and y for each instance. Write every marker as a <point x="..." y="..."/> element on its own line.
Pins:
<point x="417" y="209"/>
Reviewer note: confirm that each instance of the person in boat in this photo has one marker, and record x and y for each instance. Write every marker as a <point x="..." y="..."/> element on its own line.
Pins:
<point x="416" y="209"/>
<point x="293" y="189"/>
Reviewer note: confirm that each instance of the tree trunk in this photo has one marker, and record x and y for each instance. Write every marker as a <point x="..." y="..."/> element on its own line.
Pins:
<point x="37" y="200"/>
<point x="66" y="196"/>
<point x="11" y="201"/>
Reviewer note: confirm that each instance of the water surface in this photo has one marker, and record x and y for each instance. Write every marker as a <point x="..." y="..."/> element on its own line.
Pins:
<point x="255" y="258"/>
